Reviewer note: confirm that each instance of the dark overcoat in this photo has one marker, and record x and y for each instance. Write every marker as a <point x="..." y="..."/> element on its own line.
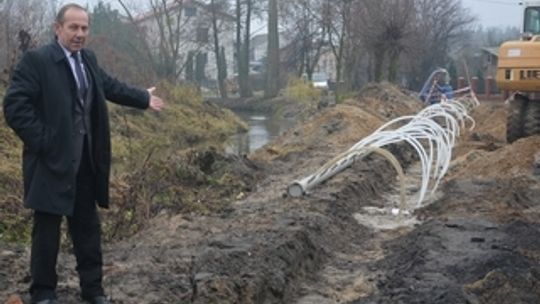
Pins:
<point x="39" y="107"/>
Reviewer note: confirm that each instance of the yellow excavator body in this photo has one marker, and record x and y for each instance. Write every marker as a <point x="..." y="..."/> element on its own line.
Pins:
<point x="518" y="72"/>
<point x="519" y="65"/>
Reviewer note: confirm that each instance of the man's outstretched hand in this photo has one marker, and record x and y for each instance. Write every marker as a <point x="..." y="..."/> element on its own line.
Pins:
<point x="156" y="103"/>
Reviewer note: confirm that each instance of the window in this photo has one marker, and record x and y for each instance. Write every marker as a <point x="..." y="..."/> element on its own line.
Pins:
<point x="532" y="20"/>
<point x="202" y="34"/>
<point x="190" y="11"/>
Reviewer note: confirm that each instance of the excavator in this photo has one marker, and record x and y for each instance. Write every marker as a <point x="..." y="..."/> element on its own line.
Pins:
<point x="518" y="73"/>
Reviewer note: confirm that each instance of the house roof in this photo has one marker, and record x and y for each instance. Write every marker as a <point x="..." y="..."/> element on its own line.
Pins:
<point x="259" y="39"/>
<point x="175" y="4"/>
<point x="491" y="50"/>
<point x="262" y="39"/>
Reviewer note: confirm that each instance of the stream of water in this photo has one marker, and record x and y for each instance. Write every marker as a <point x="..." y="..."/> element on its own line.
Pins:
<point x="262" y="129"/>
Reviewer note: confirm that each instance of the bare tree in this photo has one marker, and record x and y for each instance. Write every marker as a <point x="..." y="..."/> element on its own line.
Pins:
<point x="272" y="60"/>
<point x="386" y="25"/>
<point x="244" y="11"/>
<point x="337" y="20"/>
<point x="304" y="22"/>
<point x="23" y="24"/>
<point x="397" y="31"/>
<point x="166" y="34"/>
<point x="218" y="50"/>
<point x="395" y="40"/>
<point x="401" y="37"/>
<point x="119" y="47"/>
<point x="439" y="29"/>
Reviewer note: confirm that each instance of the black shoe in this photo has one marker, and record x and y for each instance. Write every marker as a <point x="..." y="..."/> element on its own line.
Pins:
<point x="98" y="300"/>
<point x="48" y="301"/>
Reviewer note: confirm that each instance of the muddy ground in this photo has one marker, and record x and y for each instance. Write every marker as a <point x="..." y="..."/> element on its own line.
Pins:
<point x="477" y="240"/>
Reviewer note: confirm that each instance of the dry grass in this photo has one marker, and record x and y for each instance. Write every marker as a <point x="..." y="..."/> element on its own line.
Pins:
<point x="162" y="162"/>
<point x="13" y="218"/>
<point x="302" y="92"/>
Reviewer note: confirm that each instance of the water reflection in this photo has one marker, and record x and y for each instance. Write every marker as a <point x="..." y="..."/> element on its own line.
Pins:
<point x="262" y="129"/>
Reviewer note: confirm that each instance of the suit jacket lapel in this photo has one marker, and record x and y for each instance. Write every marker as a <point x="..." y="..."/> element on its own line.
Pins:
<point x="59" y="57"/>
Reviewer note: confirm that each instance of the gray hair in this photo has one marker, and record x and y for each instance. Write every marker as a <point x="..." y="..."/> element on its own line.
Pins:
<point x="62" y="12"/>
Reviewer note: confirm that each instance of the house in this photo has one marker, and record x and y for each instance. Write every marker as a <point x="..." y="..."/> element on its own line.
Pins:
<point x="258" y="47"/>
<point x="289" y="50"/>
<point x="327" y="64"/>
<point x="490" y="59"/>
<point x="190" y="23"/>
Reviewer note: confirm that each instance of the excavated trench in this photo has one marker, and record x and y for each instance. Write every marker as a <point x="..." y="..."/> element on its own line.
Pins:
<point x="477" y="240"/>
<point x="263" y="250"/>
<point x="271" y="265"/>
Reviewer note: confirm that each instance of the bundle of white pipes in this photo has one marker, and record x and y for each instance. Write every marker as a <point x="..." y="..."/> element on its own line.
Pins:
<point x="432" y="133"/>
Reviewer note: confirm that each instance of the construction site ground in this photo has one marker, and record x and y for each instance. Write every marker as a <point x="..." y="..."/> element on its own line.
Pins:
<point x="476" y="240"/>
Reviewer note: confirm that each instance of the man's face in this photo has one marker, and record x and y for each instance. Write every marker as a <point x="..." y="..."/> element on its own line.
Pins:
<point x="73" y="31"/>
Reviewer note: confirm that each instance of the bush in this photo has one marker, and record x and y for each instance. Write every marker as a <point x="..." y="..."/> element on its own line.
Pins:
<point x="303" y="92"/>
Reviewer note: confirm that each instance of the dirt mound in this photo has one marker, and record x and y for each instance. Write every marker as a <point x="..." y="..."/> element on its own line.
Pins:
<point x="387" y="92"/>
<point x="490" y="121"/>
<point x="387" y="100"/>
<point x="506" y="162"/>
<point x="489" y="132"/>
<point x="345" y="124"/>
<point x="340" y="127"/>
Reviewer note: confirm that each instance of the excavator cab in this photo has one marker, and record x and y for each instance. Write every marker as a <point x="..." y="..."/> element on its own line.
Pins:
<point x="531" y="21"/>
<point x="518" y="72"/>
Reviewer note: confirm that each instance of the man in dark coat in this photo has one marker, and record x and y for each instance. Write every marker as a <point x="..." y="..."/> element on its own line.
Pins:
<point x="56" y="105"/>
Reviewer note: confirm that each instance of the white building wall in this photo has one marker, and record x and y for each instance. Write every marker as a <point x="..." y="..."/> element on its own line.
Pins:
<point x="327" y="65"/>
<point x="189" y="25"/>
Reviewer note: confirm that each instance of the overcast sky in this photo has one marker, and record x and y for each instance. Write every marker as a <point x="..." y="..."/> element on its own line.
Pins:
<point x="488" y="12"/>
<point x="495" y="12"/>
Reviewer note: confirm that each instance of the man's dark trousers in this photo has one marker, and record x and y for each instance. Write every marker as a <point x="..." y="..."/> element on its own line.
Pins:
<point x="84" y="228"/>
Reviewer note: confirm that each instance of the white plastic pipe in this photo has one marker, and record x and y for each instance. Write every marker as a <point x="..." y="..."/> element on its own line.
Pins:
<point x="431" y="133"/>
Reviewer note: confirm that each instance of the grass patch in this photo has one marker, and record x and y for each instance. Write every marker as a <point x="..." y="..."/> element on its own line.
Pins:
<point x="300" y="91"/>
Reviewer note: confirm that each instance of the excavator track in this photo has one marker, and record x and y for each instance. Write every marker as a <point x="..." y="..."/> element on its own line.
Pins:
<point x="532" y="118"/>
<point x="515" y="116"/>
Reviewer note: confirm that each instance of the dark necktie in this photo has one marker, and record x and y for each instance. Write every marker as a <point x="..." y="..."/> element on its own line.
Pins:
<point x="80" y="76"/>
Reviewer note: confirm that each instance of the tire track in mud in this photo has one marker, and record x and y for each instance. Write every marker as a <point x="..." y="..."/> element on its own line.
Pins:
<point x="262" y="251"/>
<point x="304" y="235"/>
<point x="470" y="249"/>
